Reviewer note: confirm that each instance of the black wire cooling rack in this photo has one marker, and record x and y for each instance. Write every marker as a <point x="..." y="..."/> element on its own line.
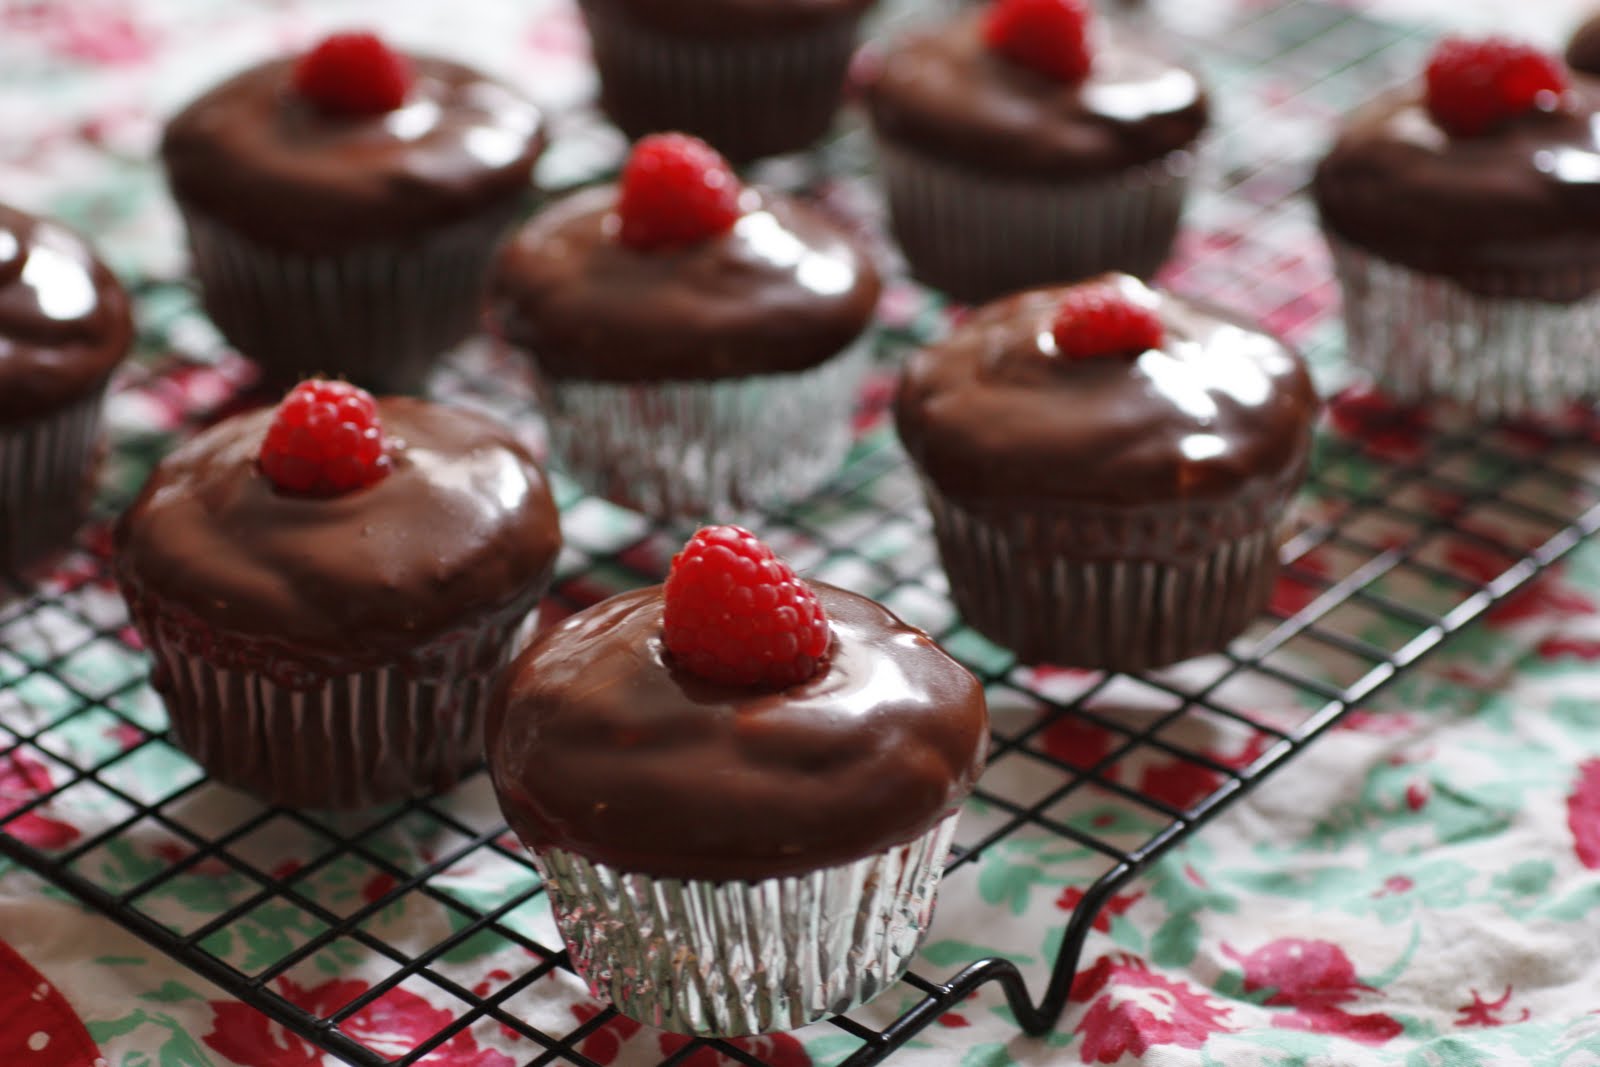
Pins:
<point x="1407" y="533"/>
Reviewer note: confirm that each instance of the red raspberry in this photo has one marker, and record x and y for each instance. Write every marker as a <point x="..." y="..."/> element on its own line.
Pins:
<point x="1473" y="85"/>
<point x="736" y="614"/>
<point x="676" y="190"/>
<point x="1049" y="36"/>
<point x="325" y="440"/>
<point x="1099" y="320"/>
<point x="353" y="74"/>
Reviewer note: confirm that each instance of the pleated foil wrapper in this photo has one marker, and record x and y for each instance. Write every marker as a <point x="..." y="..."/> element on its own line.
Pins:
<point x="976" y="236"/>
<point x="1124" y="592"/>
<point x="1425" y="337"/>
<point x="378" y="315"/>
<point x="704" y="449"/>
<point x="295" y="735"/>
<point x="46" y="466"/>
<point x="732" y="958"/>
<point x="749" y="98"/>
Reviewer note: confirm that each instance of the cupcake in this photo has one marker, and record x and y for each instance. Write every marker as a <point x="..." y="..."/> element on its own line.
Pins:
<point x="698" y="344"/>
<point x="343" y="206"/>
<point x="327" y="590"/>
<point x="1463" y="219"/>
<point x="1025" y="143"/>
<point x="740" y="789"/>
<point x="1108" y="467"/>
<point x="753" y="79"/>
<point x="64" y="326"/>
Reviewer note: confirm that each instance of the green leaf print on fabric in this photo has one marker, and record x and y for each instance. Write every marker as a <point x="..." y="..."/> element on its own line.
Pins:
<point x="170" y="992"/>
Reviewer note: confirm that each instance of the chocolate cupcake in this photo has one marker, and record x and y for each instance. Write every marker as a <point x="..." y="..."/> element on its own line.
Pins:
<point x="1024" y="144"/>
<point x="64" y="326"/>
<point x="328" y="589"/>
<point x="752" y="77"/>
<point x="740" y="789"/>
<point x="698" y="344"/>
<point x="1108" y="468"/>
<point x="1462" y="212"/>
<point x="342" y="208"/>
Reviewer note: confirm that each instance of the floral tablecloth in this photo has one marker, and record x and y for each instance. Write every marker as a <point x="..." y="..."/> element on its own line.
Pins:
<point x="1420" y="887"/>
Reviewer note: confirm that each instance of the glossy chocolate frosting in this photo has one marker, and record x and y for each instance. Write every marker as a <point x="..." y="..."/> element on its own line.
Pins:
<point x="255" y="155"/>
<point x="462" y="527"/>
<point x="64" y="318"/>
<point x="1519" y="205"/>
<point x="1583" y="50"/>
<point x="599" y="746"/>
<point x="942" y="91"/>
<point x="784" y="290"/>
<point x="995" y="416"/>
<point x="730" y="19"/>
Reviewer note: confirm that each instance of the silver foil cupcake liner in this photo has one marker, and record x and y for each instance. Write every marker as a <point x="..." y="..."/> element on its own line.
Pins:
<point x="748" y="97"/>
<point x="732" y="958"/>
<point x="703" y="449"/>
<point x="976" y="236"/>
<point x="291" y="735"/>
<point x="1128" y="592"/>
<point x="1423" y="337"/>
<point x="378" y="314"/>
<point x="46" y="466"/>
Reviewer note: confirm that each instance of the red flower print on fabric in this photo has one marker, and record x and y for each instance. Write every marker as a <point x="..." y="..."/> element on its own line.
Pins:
<point x="393" y="1025"/>
<point x="22" y="779"/>
<point x="1486" y="1013"/>
<point x="1132" y="1010"/>
<point x="1583" y="814"/>
<point x="1315" y="978"/>
<point x="1118" y="904"/>
<point x="37" y="1025"/>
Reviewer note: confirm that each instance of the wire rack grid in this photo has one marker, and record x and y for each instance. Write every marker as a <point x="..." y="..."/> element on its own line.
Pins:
<point x="1407" y="534"/>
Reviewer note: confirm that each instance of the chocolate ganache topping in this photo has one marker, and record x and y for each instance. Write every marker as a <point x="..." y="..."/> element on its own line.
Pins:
<point x="783" y="290"/>
<point x="995" y="415"/>
<point x="463" y="526"/>
<point x="64" y="318"/>
<point x="255" y="155"/>
<point x="599" y="746"/>
<point x="1518" y="205"/>
<point x="731" y="19"/>
<point x="943" y="91"/>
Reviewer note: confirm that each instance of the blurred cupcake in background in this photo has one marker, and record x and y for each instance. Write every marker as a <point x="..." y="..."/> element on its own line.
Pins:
<point x="751" y="77"/>
<point x="65" y="325"/>
<point x="699" y="344"/>
<point x="1027" y="142"/>
<point x="342" y="206"/>
<point x="1463" y="214"/>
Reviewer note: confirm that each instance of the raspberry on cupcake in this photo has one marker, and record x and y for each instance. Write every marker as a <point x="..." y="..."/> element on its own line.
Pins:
<point x="1108" y="467"/>
<point x="702" y="771"/>
<point x="342" y="206"/>
<point x="1462" y="221"/>
<point x="327" y="589"/>
<point x="752" y="79"/>
<point x="697" y="341"/>
<point x="1030" y="142"/>
<point x="65" y="325"/>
